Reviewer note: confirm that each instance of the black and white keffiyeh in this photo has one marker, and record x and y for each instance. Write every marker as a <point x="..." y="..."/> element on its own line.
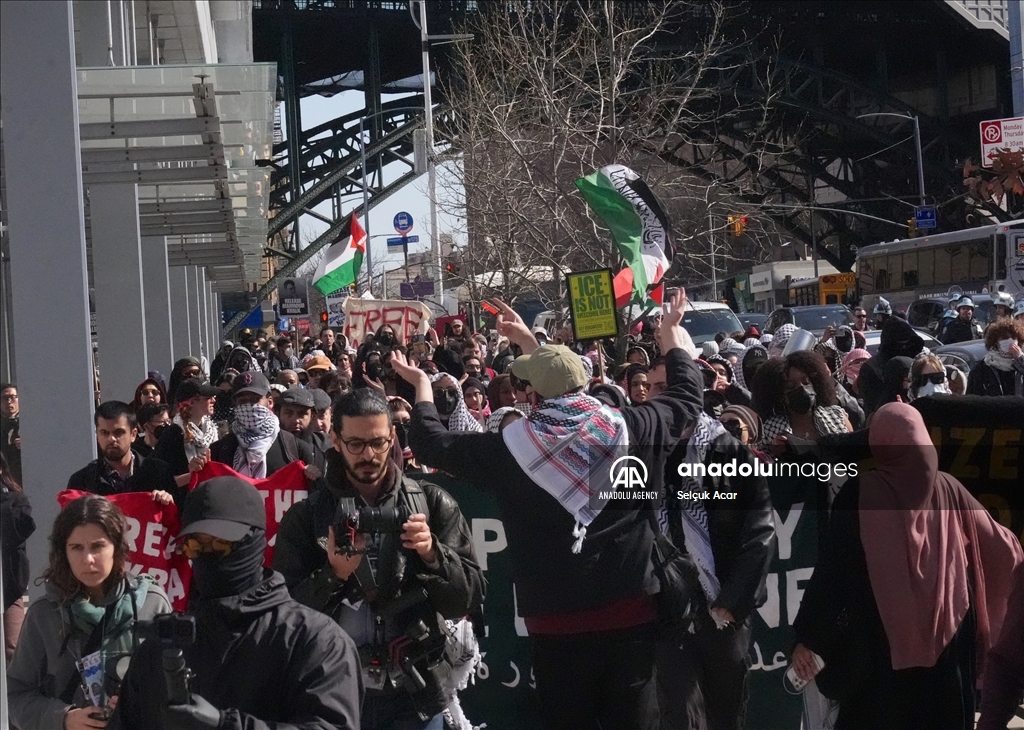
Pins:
<point x="693" y="515"/>
<point x="256" y="428"/>
<point x="197" y="437"/>
<point x="827" y="419"/>
<point x="460" y="419"/>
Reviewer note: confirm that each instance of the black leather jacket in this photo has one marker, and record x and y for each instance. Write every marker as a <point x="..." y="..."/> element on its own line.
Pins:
<point x="742" y="530"/>
<point x="454" y="589"/>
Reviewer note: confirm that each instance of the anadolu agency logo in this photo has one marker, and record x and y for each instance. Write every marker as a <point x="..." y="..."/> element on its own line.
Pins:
<point x="628" y="478"/>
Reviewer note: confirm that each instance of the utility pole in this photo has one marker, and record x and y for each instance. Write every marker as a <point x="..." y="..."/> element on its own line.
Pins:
<point x="435" y="245"/>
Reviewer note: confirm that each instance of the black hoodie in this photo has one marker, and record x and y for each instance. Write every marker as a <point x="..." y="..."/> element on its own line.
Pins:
<point x="261" y="658"/>
<point x="898" y="340"/>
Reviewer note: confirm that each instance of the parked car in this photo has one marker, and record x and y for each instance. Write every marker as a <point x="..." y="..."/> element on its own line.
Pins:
<point x="813" y="318"/>
<point x="703" y="320"/>
<point x="748" y="319"/>
<point x="873" y="339"/>
<point x="962" y="355"/>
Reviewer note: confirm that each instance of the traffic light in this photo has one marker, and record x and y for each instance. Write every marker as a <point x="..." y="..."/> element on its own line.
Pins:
<point x="323" y="317"/>
<point x="451" y="268"/>
<point x="911" y="228"/>
<point x="738" y="224"/>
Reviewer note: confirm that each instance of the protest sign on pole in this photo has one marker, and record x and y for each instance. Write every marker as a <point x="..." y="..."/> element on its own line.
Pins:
<point x="293" y="298"/>
<point x="592" y="304"/>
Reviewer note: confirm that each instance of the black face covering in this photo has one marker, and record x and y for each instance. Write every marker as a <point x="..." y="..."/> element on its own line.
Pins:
<point x="386" y="338"/>
<point x="446" y="402"/>
<point x="735" y="428"/>
<point x="402" y="433"/>
<point x="801" y="400"/>
<point x="217" y="577"/>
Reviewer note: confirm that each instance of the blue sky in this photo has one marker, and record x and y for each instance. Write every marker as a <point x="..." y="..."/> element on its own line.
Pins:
<point x="412" y="199"/>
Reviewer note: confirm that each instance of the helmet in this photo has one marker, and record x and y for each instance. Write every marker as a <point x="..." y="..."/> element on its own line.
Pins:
<point x="1018" y="308"/>
<point x="1003" y="299"/>
<point x="965" y="302"/>
<point x="883" y="307"/>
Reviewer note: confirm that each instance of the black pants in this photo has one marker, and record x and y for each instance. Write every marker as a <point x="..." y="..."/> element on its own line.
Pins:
<point x="703" y="679"/>
<point x="599" y="680"/>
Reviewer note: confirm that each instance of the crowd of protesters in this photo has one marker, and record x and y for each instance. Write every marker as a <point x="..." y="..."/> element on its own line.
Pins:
<point x="915" y="603"/>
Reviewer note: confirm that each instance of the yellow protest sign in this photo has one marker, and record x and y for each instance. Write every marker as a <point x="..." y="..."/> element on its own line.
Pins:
<point x="592" y="303"/>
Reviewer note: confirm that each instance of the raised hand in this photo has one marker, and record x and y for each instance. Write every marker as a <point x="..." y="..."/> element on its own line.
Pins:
<point x="511" y="325"/>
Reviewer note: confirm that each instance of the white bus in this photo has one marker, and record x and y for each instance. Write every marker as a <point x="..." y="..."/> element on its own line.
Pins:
<point x="988" y="259"/>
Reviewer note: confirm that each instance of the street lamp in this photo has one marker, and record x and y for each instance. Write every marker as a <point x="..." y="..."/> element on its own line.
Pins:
<point x="917" y="143"/>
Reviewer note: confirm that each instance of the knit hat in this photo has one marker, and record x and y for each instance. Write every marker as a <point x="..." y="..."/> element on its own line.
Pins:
<point x="749" y="418"/>
<point x="709" y="348"/>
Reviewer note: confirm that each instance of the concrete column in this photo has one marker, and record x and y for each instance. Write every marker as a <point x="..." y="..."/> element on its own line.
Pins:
<point x="211" y="307"/>
<point x="43" y="165"/>
<point x="156" y="288"/>
<point x="117" y="279"/>
<point x="180" y="314"/>
<point x="195" y="332"/>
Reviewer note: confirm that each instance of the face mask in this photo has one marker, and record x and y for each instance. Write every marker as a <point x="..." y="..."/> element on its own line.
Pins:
<point x="735" y="428"/>
<point x="402" y="433"/>
<point x="1004" y="345"/>
<point x="445" y="402"/>
<point x="159" y="430"/>
<point x="931" y="388"/>
<point x="386" y="338"/>
<point x="217" y="577"/>
<point x="801" y="400"/>
<point x="844" y="343"/>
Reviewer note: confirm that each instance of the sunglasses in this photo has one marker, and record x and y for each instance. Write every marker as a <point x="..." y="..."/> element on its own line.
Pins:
<point x="861" y="316"/>
<point x="447" y="392"/>
<point x="519" y="385"/>
<point x="192" y="546"/>
<point x="936" y="378"/>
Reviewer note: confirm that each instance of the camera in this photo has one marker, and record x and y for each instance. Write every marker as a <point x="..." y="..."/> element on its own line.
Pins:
<point x="175" y="632"/>
<point x="350" y="519"/>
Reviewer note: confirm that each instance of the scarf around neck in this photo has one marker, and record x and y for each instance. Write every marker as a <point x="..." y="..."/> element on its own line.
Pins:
<point x="692" y="513"/>
<point x="197" y="438"/>
<point x="567" y="446"/>
<point x="256" y="428"/>
<point x="86" y="616"/>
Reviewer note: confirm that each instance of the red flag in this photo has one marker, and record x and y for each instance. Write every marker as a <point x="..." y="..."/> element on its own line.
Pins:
<point x="151" y="527"/>
<point x="280" y="491"/>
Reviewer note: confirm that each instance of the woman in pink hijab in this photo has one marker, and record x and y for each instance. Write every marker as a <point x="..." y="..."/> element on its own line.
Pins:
<point x="910" y="589"/>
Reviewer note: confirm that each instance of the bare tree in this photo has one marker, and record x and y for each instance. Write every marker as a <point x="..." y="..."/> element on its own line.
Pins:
<point x="552" y="90"/>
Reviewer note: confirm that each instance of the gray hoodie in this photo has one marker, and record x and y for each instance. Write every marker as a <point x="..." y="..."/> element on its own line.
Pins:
<point x="44" y="662"/>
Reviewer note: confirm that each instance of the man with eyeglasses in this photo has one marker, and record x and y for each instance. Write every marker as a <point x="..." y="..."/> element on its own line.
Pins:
<point x="260" y="659"/>
<point x="10" y="429"/>
<point x="429" y="566"/>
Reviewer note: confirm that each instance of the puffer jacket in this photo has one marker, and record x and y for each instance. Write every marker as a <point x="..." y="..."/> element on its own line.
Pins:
<point x="44" y="662"/>
<point x="260" y="658"/>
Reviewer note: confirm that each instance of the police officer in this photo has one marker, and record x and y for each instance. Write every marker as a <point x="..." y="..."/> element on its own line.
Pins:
<point x="882" y="312"/>
<point x="260" y="659"/>
<point x="962" y="328"/>
<point x="1002" y="306"/>
<point x="380" y="584"/>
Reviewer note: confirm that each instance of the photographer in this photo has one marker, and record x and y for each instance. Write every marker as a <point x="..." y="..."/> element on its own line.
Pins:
<point x="584" y="583"/>
<point x="421" y="544"/>
<point x="259" y="660"/>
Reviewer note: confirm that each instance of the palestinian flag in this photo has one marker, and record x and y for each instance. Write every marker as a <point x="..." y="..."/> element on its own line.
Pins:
<point x="341" y="264"/>
<point x="640" y="229"/>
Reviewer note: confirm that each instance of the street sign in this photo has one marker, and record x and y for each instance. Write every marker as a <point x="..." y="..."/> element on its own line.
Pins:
<point x="403" y="222"/>
<point x="402" y="240"/>
<point x="592" y="304"/>
<point x="924" y="217"/>
<point x="416" y="289"/>
<point x="1000" y="134"/>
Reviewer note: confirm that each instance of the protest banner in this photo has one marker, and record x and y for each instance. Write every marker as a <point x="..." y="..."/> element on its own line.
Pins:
<point x="151" y="527"/>
<point x="364" y="316"/>
<point x="592" y="304"/>
<point x="293" y="298"/>
<point x="280" y="491"/>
